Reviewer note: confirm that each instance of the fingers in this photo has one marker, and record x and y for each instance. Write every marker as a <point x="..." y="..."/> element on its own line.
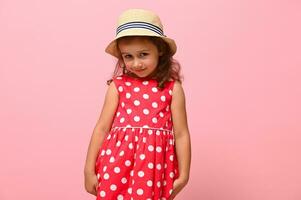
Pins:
<point x="95" y="187"/>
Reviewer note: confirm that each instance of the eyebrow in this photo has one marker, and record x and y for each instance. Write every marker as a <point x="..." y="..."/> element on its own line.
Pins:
<point x="143" y="50"/>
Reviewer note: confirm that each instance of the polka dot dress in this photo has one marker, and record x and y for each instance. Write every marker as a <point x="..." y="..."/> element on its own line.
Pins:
<point x="137" y="160"/>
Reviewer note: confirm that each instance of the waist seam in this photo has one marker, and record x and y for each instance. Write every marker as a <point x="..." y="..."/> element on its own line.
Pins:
<point x="140" y="127"/>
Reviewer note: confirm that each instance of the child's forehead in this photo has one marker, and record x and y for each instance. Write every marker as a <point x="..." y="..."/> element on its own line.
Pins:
<point x="135" y="39"/>
<point x="135" y="42"/>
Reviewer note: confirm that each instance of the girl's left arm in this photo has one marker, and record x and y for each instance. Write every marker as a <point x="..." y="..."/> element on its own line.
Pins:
<point x="182" y="137"/>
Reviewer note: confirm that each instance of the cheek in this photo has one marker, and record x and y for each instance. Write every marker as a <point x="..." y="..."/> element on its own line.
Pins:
<point x="151" y="62"/>
<point x="127" y="63"/>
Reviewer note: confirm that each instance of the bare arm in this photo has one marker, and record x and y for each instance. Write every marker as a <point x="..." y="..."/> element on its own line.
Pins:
<point x="182" y="136"/>
<point x="103" y="125"/>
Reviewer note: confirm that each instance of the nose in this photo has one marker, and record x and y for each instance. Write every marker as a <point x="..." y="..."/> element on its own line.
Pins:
<point x="137" y="64"/>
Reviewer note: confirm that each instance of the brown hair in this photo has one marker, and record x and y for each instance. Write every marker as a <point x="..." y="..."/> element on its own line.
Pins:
<point x="168" y="68"/>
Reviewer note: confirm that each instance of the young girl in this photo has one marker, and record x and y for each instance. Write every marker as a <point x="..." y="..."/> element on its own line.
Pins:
<point x="140" y="147"/>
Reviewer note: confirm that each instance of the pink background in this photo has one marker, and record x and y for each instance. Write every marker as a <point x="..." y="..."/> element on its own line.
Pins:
<point x="241" y="62"/>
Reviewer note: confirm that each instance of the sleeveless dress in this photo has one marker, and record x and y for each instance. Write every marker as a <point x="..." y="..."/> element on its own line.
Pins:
<point x="137" y="160"/>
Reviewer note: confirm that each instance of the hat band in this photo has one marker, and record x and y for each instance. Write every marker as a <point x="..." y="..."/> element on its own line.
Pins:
<point x="143" y="25"/>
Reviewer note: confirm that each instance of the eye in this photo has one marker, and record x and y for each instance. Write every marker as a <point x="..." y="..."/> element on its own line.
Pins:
<point x="143" y="54"/>
<point x="127" y="56"/>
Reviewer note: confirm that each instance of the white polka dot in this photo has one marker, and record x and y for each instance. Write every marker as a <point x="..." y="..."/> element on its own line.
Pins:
<point x="150" y="165"/>
<point x="145" y="111"/>
<point x="161" y="114"/>
<point x="145" y="82"/>
<point x="122" y="120"/>
<point x="102" y="193"/>
<point x="120" y="88"/>
<point x="142" y="156"/>
<point x="112" y="159"/>
<point x="103" y="152"/>
<point x="171" y="174"/>
<point x="121" y="153"/>
<point x="136" y="89"/>
<point x="130" y="190"/>
<point x="159" y="184"/>
<point x="120" y="197"/>
<point x="124" y="180"/>
<point x="171" y="157"/>
<point x="140" y="191"/>
<point x="155" y="120"/>
<point x="163" y="98"/>
<point x="150" y="148"/>
<point x="113" y="187"/>
<point x="109" y="136"/>
<point x="126" y="138"/>
<point x="170" y="191"/>
<point x="145" y="96"/>
<point x="136" y="139"/>
<point x="144" y="139"/>
<point x="167" y="108"/>
<point x="155" y="105"/>
<point x="158" y="132"/>
<point x="131" y="146"/>
<point x="149" y="183"/>
<point x="159" y="149"/>
<point x="104" y="168"/>
<point x="132" y="173"/>
<point x="128" y="95"/>
<point x="98" y="176"/>
<point x="106" y="176"/>
<point x="150" y="132"/>
<point x="116" y="170"/>
<point x="118" y="144"/>
<point x="128" y="111"/>
<point x="154" y="89"/>
<point x="170" y="92"/>
<point x="159" y="166"/>
<point x="136" y="103"/>
<point x="140" y="173"/>
<point x="136" y="118"/>
<point x="122" y="104"/>
<point x="127" y="163"/>
<point x="128" y="83"/>
<point x="117" y="114"/>
<point x="108" y="152"/>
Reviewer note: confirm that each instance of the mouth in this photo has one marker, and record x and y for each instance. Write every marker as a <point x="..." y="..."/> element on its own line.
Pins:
<point x="139" y="70"/>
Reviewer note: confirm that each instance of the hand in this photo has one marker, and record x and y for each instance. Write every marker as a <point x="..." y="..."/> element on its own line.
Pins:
<point x="178" y="185"/>
<point x="91" y="183"/>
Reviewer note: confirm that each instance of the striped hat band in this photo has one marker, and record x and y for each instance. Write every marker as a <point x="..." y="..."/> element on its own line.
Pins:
<point x="142" y="25"/>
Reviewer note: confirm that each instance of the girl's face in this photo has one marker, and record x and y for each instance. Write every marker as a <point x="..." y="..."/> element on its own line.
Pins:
<point x="139" y="55"/>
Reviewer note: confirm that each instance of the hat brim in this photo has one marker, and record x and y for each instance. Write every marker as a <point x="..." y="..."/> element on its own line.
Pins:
<point x="113" y="49"/>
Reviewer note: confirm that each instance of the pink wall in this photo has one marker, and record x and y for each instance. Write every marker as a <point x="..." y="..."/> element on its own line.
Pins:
<point x="241" y="61"/>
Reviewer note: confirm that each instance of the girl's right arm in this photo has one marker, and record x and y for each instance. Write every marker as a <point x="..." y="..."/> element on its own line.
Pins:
<point x="103" y="126"/>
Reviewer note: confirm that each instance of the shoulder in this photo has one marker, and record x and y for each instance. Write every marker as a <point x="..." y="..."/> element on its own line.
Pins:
<point x="178" y="95"/>
<point x="118" y="82"/>
<point x="112" y="89"/>
<point x="177" y="88"/>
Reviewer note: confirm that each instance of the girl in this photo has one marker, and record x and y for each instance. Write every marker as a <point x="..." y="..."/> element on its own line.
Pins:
<point x="140" y="147"/>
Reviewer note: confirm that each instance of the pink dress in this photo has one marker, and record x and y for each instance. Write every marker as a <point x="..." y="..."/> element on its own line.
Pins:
<point x="137" y="160"/>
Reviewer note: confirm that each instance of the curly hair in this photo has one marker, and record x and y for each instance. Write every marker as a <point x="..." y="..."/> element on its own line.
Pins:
<point x="167" y="69"/>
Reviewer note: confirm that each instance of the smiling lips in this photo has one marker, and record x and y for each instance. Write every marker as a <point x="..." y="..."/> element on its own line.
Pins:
<point x="139" y="69"/>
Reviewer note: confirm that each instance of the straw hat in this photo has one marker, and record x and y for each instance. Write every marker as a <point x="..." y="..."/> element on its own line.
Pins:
<point x="139" y="22"/>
